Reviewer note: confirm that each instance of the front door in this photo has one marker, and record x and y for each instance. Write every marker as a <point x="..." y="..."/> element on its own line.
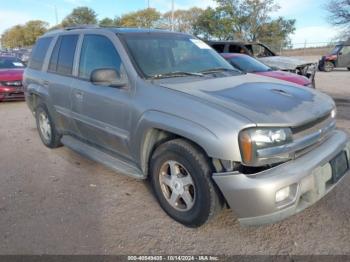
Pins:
<point x="101" y="113"/>
<point x="344" y="57"/>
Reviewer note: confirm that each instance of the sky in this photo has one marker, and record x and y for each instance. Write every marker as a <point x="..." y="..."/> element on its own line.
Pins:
<point x="311" y="26"/>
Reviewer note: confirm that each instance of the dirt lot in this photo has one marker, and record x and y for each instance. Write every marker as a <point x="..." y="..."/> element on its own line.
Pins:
<point x="57" y="202"/>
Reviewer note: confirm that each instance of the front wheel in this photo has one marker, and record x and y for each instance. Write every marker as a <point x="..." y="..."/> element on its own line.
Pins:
<point x="181" y="179"/>
<point x="328" y="66"/>
<point x="46" y="127"/>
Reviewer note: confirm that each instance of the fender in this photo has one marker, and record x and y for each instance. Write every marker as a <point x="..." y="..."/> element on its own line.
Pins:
<point x="176" y="125"/>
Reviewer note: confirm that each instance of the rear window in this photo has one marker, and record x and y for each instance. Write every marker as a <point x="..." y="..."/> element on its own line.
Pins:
<point x="39" y="53"/>
<point x="62" y="58"/>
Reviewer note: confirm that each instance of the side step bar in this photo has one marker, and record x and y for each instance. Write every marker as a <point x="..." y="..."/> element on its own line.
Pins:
<point x="101" y="157"/>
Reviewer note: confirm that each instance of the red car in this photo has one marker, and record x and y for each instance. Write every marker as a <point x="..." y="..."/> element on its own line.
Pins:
<point x="11" y="74"/>
<point x="249" y="64"/>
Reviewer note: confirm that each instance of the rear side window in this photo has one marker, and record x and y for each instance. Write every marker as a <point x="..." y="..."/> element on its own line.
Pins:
<point x="39" y="53"/>
<point x="97" y="52"/>
<point x="220" y="48"/>
<point x="62" y="57"/>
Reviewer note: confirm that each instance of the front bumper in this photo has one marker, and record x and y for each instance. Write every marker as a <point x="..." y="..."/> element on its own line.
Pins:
<point x="12" y="96"/>
<point x="252" y="197"/>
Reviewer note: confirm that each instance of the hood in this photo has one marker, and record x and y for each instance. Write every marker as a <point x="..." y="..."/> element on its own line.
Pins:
<point x="283" y="62"/>
<point x="11" y="74"/>
<point x="262" y="100"/>
<point x="286" y="76"/>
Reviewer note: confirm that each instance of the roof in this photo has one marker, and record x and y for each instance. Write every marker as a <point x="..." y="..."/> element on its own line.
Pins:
<point x="117" y="30"/>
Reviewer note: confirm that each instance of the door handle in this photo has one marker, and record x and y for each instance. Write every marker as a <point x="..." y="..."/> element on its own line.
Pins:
<point x="79" y="95"/>
<point x="46" y="83"/>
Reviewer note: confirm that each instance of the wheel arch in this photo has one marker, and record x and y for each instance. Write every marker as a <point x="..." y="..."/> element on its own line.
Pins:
<point x="156" y="128"/>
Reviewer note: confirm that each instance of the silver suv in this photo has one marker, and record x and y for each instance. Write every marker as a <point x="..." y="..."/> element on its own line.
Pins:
<point x="165" y="106"/>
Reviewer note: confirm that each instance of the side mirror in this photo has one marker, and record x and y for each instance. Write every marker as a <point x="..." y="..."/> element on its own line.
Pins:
<point x="340" y="53"/>
<point x="107" y="77"/>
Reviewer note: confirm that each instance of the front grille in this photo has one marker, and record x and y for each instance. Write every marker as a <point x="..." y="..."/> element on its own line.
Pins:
<point x="321" y="126"/>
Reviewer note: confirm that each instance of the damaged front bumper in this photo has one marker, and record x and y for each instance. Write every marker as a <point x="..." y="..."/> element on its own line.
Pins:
<point x="309" y="178"/>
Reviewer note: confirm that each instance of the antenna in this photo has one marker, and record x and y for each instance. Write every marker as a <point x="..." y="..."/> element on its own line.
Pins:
<point x="56" y="14"/>
<point x="172" y="15"/>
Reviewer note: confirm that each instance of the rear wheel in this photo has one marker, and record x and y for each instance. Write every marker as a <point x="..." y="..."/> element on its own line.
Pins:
<point x="349" y="68"/>
<point x="46" y="127"/>
<point x="181" y="179"/>
<point x="328" y="66"/>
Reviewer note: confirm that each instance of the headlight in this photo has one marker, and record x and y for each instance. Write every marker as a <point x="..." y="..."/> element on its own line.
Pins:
<point x="253" y="139"/>
<point x="12" y="83"/>
<point x="334" y="113"/>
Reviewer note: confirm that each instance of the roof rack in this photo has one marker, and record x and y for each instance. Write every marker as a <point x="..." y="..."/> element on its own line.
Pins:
<point x="69" y="28"/>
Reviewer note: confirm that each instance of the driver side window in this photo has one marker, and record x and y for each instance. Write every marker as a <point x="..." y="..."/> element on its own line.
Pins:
<point x="97" y="52"/>
<point x="346" y="50"/>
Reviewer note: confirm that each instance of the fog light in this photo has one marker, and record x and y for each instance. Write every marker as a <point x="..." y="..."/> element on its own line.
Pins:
<point x="282" y="194"/>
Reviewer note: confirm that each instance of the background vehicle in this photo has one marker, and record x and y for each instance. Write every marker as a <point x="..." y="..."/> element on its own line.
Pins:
<point x="267" y="56"/>
<point x="249" y="64"/>
<point x="165" y="106"/>
<point x="339" y="57"/>
<point x="11" y="74"/>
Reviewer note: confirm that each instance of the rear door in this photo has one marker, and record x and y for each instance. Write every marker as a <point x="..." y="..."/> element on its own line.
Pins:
<point x="344" y="57"/>
<point x="101" y="113"/>
<point x="60" y="70"/>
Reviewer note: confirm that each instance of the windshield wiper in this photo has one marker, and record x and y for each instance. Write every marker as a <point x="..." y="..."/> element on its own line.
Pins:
<point x="176" y="74"/>
<point x="219" y="69"/>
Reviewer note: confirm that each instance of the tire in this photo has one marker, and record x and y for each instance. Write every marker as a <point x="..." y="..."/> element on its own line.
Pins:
<point x="349" y="68"/>
<point x="191" y="166"/>
<point x="46" y="127"/>
<point x="328" y="66"/>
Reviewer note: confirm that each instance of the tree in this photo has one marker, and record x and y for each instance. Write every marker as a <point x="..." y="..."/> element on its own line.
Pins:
<point x="340" y="16"/>
<point x="248" y="20"/>
<point x="33" y="29"/>
<point x="183" y="19"/>
<point x="80" y="16"/>
<point x="23" y="35"/>
<point x="339" y="12"/>
<point x="148" y="18"/>
<point x="106" y="22"/>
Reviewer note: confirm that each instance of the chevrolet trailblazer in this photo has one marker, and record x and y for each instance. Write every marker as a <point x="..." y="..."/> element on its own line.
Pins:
<point x="166" y="107"/>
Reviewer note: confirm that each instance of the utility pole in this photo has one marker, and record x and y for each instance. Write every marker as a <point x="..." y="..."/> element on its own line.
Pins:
<point x="56" y="14"/>
<point x="148" y="6"/>
<point x="172" y="15"/>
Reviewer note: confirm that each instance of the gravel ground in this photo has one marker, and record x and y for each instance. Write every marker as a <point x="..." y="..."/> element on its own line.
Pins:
<point x="57" y="202"/>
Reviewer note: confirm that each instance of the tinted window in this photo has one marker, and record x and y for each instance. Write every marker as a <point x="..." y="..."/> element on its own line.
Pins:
<point x="62" y="57"/>
<point x="97" y="52"/>
<point x="39" y="52"/>
<point x="248" y="64"/>
<point x="10" y="62"/>
<point x="220" y="48"/>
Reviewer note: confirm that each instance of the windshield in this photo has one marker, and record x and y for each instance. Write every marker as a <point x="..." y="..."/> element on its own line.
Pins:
<point x="336" y="50"/>
<point x="10" y="62"/>
<point x="159" y="55"/>
<point x="248" y="64"/>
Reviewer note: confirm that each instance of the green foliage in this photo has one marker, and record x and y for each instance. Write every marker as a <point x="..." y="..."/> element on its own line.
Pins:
<point x="80" y="16"/>
<point x="248" y="20"/>
<point x="106" y="22"/>
<point x="148" y="18"/>
<point x="23" y="35"/>
<point x="183" y="19"/>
